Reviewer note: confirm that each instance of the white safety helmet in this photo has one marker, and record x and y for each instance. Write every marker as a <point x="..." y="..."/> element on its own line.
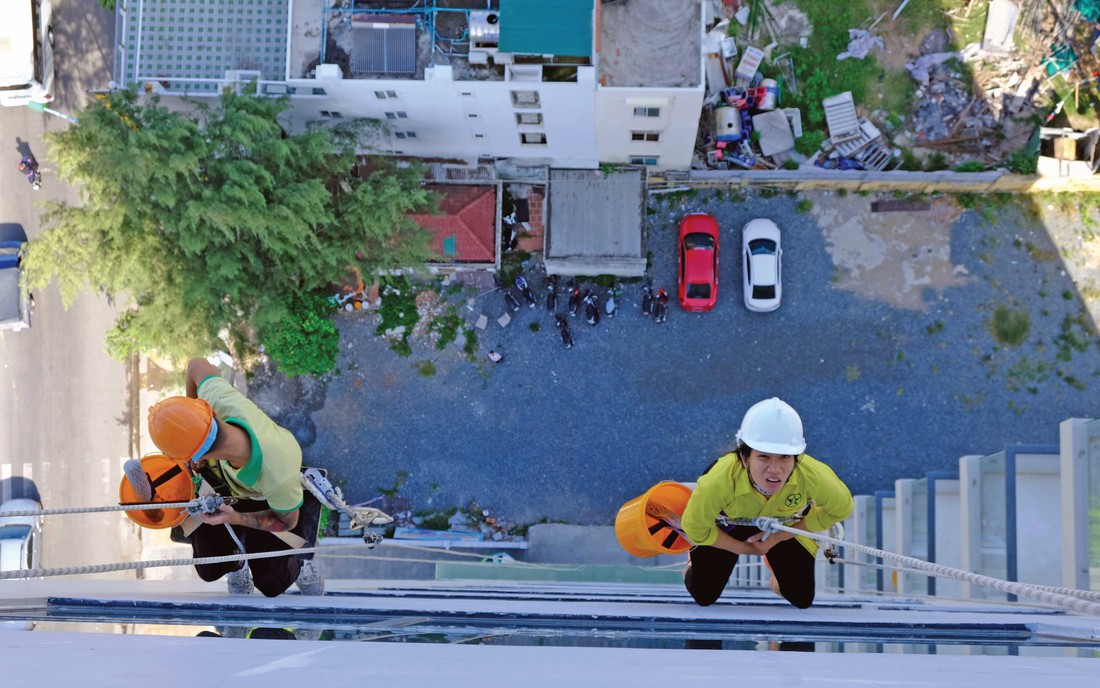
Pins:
<point x="773" y="427"/>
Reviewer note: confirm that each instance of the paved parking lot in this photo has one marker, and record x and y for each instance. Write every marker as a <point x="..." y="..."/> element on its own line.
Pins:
<point x="882" y="343"/>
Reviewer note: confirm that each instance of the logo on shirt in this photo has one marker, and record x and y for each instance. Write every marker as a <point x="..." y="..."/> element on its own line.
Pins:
<point x="794" y="499"/>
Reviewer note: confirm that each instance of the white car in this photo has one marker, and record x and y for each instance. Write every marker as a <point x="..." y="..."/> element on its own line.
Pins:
<point x="20" y="536"/>
<point x="762" y="275"/>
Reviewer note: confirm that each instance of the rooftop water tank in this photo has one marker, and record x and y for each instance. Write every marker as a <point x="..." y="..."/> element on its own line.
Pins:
<point x="484" y="28"/>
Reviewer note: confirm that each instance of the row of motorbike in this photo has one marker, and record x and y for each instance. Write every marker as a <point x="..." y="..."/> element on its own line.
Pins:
<point x="654" y="304"/>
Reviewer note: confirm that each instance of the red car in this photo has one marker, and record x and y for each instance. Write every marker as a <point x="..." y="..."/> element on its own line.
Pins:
<point x="698" y="288"/>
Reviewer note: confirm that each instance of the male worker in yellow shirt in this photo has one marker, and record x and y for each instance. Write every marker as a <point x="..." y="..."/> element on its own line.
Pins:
<point x="242" y="453"/>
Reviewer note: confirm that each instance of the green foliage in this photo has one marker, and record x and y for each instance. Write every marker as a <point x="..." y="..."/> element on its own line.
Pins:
<point x="791" y="165"/>
<point x="470" y="347"/>
<point x="398" y="310"/>
<point x="305" y="340"/>
<point x="1022" y="162"/>
<point x="534" y="327"/>
<point x="448" y="326"/>
<point x="108" y="5"/>
<point x="810" y="142"/>
<point x="214" y="220"/>
<point x="819" y="74"/>
<point x="1010" y="326"/>
<point x="935" y="162"/>
<point x="804" y="205"/>
<point x="971" y="166"/>
<point x="425" y="368"/>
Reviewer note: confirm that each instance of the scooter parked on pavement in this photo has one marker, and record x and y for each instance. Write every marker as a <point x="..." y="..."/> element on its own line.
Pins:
<point x="521" y="284"/>
<point x="511" y="300"/>
<point x="552" y="293"/>
<point x="574" y="298"/>
<point x="647" y="298"/>
<point x="614" y="295"/>
<point x="563" y="325"/>
<point x="591" y="308"/>
<point x="660" y="309"/>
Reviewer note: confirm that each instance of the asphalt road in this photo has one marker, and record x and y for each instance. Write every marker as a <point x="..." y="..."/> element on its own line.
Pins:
<point x="890" y="383"/>
<point x="64" y="404"/>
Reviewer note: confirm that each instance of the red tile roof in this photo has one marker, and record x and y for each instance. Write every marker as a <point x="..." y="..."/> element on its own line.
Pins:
<point x="468" y="213"/>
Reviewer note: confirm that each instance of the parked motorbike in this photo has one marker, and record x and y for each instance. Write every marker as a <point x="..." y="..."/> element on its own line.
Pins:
<point x="660" y="308"/>
<point x="521" y="284"/>
<point x="29" y="167"/>
<point x="647" y="298"/>
<point x="552" y="293"/>
<point x="511" y="300"/>
<point x="563" y="326"/>
<point x="591" y="308"/>
<point x="574" y="298"/>
<point x="614" y="295"/>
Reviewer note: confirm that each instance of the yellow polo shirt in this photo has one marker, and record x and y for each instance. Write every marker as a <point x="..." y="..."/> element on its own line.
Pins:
<point x="274" y="466"/>
<point x="727" y="488"/>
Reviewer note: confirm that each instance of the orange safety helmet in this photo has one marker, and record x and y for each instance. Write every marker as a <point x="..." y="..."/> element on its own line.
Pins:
<point x="171" y="482"/>
<point x="183" y="428"/>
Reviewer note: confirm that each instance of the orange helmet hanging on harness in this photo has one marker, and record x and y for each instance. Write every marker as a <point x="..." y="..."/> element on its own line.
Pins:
<point x="171" y="482"/>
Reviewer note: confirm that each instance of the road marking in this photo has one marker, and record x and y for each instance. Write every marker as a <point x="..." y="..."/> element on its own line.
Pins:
<point x="44" y="482"/>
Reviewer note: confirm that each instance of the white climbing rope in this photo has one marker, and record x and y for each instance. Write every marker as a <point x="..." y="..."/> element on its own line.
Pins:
<point x="152" y="506"/>
<point x="1065" y="598"/>
<point x="159" y="563"/>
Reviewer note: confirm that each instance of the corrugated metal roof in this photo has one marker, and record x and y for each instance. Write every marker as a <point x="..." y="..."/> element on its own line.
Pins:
<point x="546" y="27"/>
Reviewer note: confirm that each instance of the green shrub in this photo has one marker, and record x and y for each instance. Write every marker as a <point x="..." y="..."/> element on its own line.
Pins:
<point x="305" y="341"/>
<point x="809" y="142"/>
<point x="804" y="205"/>
<point x="971" y="166"/>
<point x="1010" y="326"/>
<point x="1022" y="162"/>
<point x="398" y="309"/>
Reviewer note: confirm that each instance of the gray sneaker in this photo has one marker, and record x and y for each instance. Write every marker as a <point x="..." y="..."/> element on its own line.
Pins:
<point x="138" y="480"/>
<point x="240" y="581"/>
<point x="310" y="581"/>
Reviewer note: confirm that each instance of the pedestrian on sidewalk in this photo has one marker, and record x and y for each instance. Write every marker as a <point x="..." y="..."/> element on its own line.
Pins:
<point x="495" y="357"/>
<point x="242" y="453"/>
<point x="766" y="475"/>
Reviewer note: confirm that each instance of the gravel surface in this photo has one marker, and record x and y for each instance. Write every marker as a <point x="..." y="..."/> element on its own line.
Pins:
<point x="886" y="391"/>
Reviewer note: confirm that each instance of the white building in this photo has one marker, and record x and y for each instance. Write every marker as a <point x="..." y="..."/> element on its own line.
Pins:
<point x="563" y="83"/>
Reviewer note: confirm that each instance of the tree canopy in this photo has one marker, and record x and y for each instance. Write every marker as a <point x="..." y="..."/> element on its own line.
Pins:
<point x="214" y="221"/>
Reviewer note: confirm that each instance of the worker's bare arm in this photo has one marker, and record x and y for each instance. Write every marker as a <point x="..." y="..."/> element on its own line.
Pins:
<point x="198" y="369"/>
<point x="271" y="521"/>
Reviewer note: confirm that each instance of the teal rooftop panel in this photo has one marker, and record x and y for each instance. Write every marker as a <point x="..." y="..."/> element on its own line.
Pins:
<point x="546" y="27"/>
<point x="188" y="45"/>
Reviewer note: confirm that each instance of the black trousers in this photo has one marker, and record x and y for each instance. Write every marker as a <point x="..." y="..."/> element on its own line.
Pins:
<point x="792" y="566"/>
<point x="272" y="576"/>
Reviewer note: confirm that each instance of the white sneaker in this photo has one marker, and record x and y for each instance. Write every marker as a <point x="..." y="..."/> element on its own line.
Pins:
<point x="138" y="480"/>
<point x="240" y="581"/>
<point x="310" y="581"/>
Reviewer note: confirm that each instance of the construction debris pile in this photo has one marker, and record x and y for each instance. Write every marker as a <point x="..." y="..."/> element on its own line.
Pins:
<point x="946" y="115"/>
<point x="742" y="125"/>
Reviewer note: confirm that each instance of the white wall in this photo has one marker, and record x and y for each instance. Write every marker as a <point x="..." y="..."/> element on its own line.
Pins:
<point x="677" y="124"/>
<point x="448" y="116"/>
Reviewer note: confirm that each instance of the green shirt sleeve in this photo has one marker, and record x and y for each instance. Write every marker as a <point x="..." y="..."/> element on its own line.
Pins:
<point x="712" y="494"/>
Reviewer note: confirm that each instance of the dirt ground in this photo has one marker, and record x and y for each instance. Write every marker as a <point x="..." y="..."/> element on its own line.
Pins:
<point x="894" y="256"/>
